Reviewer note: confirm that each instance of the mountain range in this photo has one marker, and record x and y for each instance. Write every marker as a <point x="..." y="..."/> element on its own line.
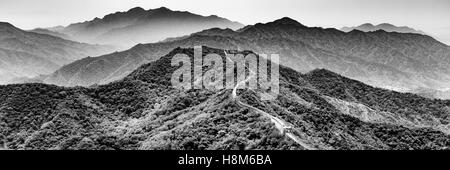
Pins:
<point x="28" y="54"/>
<point x="385" y="27"/>
<point x="368" y="87"/>
<point x="391" y="60"/>
<point x="137" y="25"/>
<point x="316" y="110"/>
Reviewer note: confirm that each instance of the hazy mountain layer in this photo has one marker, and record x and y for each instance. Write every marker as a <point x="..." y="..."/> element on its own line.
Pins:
<point x="390" y="60"/>
<point x="317" y="110"/>
<point x="385" y="26"/>
<point x="52" y="33"/>
<point x="29" y="54"/>
<point x="143" y="26"/>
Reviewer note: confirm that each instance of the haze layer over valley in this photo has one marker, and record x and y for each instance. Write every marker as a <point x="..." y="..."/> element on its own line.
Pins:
<point x="26" y="54"/>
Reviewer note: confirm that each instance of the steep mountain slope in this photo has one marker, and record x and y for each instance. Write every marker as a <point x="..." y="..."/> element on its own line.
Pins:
<point x="390" y="60"/>
<point x="29" y="54"/>
<point x="15" y="64"/>
<point x="143" y="26"/>
<point x="384" y="26"/>
<point x="324" y="111"/>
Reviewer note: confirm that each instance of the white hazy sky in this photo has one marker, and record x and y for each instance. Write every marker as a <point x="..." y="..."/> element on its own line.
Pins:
<point x="431" y="16"/>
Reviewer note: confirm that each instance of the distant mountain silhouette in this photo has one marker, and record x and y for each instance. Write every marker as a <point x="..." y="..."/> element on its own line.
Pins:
<point x="138" y="25"/>
<point x="384" y="26"/>
<point x="390" y="60"/>
<point x="28" y="54"/>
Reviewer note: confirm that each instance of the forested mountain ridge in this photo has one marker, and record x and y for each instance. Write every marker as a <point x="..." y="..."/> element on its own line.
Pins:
<point x="143" y="111"/>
